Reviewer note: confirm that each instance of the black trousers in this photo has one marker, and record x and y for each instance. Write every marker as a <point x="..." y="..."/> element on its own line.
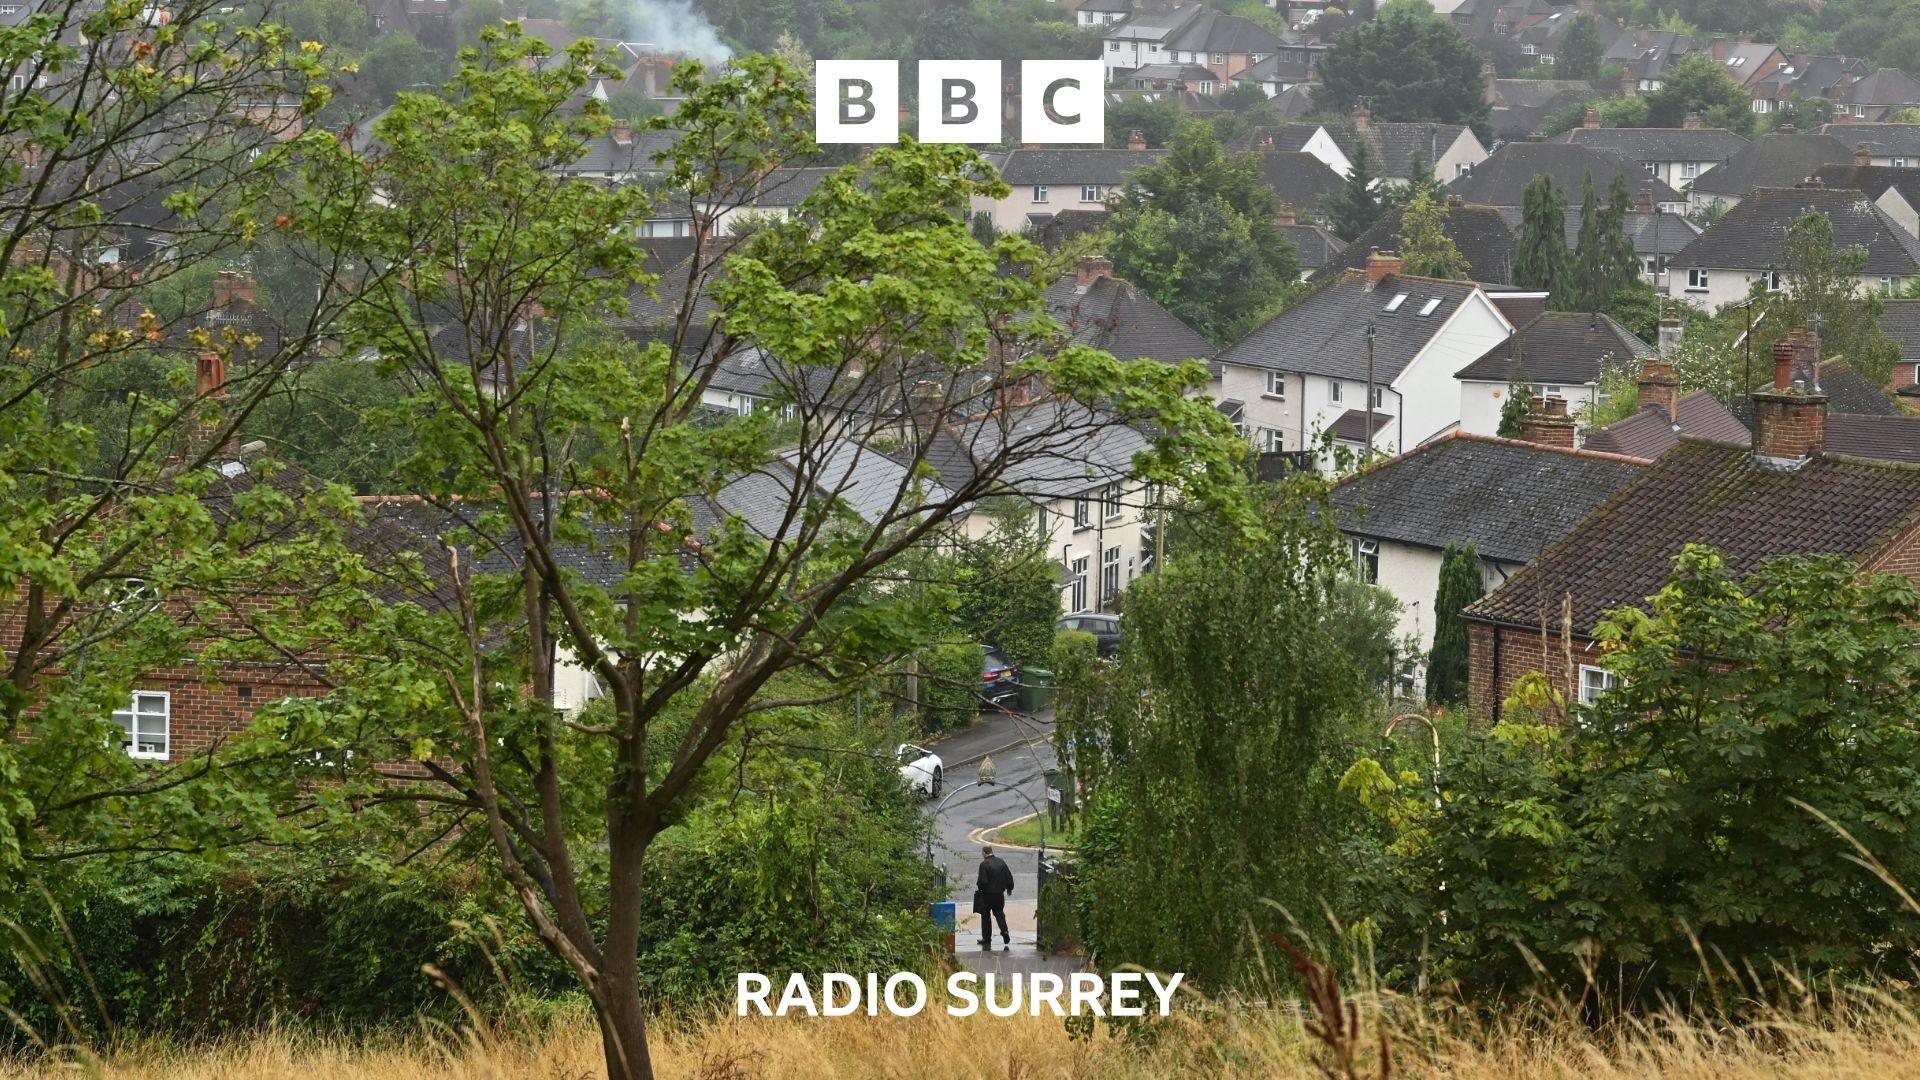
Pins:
<point x="997" y="911"/>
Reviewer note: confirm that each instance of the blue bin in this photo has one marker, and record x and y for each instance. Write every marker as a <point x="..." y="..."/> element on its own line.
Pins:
<point x="944" y="914"/>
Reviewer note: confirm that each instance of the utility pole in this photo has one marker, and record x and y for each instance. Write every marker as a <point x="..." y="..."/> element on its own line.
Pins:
<point x="1369" y="400"/>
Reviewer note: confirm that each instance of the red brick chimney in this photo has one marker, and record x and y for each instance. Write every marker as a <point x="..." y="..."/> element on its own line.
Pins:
<point x="1692" y="122"/>
<point x="1643" y="200"/>
<point x="1091" y="269"/>
<point x="230" y="286"/>
<point x="1488" y="85"/>
<point x="1362" y="117"/>
<point x="1806" y="354"/>
<point x="1381" y="264"/>
<point x="1136" y="139"/>
<point x="1592" y="119"/>
<point x="1659" y="386"/>
<point x="1790" y="418"/>
<point x="1285" y="215"/>
<point x="210" y="375"/>
<point x="1629" y="83"/>
<point x="1547" y="423"/>
<point x="1862" y="154"/>
<point x="622" y="132"/>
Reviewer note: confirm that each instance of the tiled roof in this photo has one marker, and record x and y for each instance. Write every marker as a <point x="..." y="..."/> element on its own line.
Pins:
<point x="1657" y="233"/>
<point x="1886" y="86"/>
<point x="1215" y="31"/>
<point x="1873" y="180"/>
<point x="604" y="155"/>
<point x="1191" y="73"/>
<point x="1315" y="246"/>
<point x="1880" y="438"/>
<point x="1525" y="105"/>
<point x="1661" y="144"/>
<point x="1103" y="167"/>
<point x="1885" y="140"/>
<point x="1777" y="160"/>
<point x="1706" y="493"/>
<point x="1113" y="315"/>
<point x="1559" y="347"/>
<point x="1324" y="332"/>
<point x="1753" y="235"/>
<point x="1900" y="319"/>
<point x="1357" y="426"/>
<point x="1393" y="144"/>
<point x="1650" y="433"/>
<point x="1508" y="499"/>
<point x="1850" y="392"/>
<point x="1297" y="177"/>
<point x="1502" y="179"/>
<point x="1479" y="232"/>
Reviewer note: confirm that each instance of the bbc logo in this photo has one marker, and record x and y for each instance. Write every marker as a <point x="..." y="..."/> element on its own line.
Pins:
<point x="1061" y="101"/>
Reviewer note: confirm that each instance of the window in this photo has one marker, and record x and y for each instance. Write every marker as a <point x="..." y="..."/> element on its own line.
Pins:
<point x="9" y="9"/>
<point x="1462" y="168"/>
<point x="1427" y="308"/>
<point x="1040" y="520"/>
<point x="1109" y="575"/>
<point x="1859" y="110"/>
<point x="1219" y="58"/>
<point x="1082" y="513"/>
<point x="1595" y="682"/>
<point x="680" y="227"/>
<point x="1652" y="167"/>
<point x="1078" y="601"/>
<point x="1379" y="396"/>
<point x="1530" y="50"/>
<point x="1773" y="280"/>
<point x="1089" y="193"/>
<point x="1762" y="105"/>
<point x="1271" y="441"/>
<point x="1153" y="46"/>
<point x="1394" y="304"/>
<point x="1110" y="501"/>
<point x="1277" y="385"/>
<point x="1366" y="560"/>
<point x="1333" y="391"/>
<point x="1696" y="280"/>
<point x="1899" y="163"/>
<point x="1039" y="193"/>
<point x="143" y="724"/>
<point x="1689" y="170"/>
<point x="1113" y="46"/>
<point x="1889" y="284"/>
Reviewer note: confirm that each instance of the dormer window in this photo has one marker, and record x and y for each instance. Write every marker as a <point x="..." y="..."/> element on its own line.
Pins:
<point x="1394" y="304"/>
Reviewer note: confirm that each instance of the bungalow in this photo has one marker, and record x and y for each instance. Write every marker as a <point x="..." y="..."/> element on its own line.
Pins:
<point x="1748" y="244"/>
<point x="1361" y="334"/>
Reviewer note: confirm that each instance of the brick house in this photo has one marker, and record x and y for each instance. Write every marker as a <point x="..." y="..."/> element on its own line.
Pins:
<point x="1786" y="493"/>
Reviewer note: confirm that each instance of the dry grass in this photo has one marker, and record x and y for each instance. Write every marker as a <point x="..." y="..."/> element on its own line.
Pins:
<point x="1864" y="1036"/>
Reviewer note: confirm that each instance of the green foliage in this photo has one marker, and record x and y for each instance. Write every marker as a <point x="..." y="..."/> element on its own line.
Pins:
<point x="1604" y="272"/>
<point x="1356" y="206"/>
<point x="1629" y="110"/>
<point x="339" y="420"/>
<point x="1215" y="797"/>
<point x="1007" y="587"/>
<point x="1580" y="49"/>
<point x="396" y="62"/>
<point x="1821" y="290"/>
<point x="1196" y="231"/>
<point x="1513" y="408"/>
<point x="1460" y="586"/>
<point x="1659" y="840"/>
<point x="1407" y="64"/>
<point x="1425" y="248"/>
<point x="1802" y="114"/>
<point x="1697" y="83"/>
<point x="949" y="686"/>
<point x="1541" y="259"/>
<point x="1082" y="682"/>
<point x="1154" y="120"/>
<point x="1361" y="619"/>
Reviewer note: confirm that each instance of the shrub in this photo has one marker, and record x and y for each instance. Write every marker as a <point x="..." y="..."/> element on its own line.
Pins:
<point x="950" y="686"/>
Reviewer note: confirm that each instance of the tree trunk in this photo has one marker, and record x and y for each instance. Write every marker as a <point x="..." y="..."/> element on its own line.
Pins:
<point x="623" y="1022"/>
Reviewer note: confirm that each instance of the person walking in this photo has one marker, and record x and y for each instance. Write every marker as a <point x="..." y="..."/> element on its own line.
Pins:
<point x="990" y="891"/>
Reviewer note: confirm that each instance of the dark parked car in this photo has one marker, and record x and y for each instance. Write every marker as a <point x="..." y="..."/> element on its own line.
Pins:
<point x="999" y="679"/>
<point x="1104" y="627"/>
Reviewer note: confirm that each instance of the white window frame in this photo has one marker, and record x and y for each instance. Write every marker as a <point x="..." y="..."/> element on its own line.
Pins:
<point x="1039" y="193"/>
<point x="1082" y="513"/>
<point x="1109" y="574"/>
<point x="1775" y="283"/>
<point x="1077" y="599"/>
<point x="1366" y="560"/>
<point x="1379" y="397"/>
<point x="1089" y="193"/>
<point x="1596" y="682"/>
<point x="133" y="713"/>
<point x="1110" y="505"/>
<point x="1697" y="280"/>
<point x="1272" y="440"/>
<point x="1652" y="167"/>
<point x="1276" y="385"/>
<point x="1689" y="170"/>
<point x="1333" y="391"/>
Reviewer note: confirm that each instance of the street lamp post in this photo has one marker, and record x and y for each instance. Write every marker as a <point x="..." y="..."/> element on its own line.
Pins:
<point x="987" y="774"/>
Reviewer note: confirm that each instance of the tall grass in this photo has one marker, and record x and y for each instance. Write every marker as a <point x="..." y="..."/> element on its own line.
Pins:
<point x="1856" y="1033"/>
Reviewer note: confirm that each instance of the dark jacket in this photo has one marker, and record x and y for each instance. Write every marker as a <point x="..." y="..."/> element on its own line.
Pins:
<point x="996" y="878"/>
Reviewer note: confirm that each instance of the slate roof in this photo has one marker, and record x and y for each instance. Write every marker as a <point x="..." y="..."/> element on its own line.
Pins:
<point x="1292" y="64"/>
<point x="1113" y="315"/>
<point x="1295" y="100"/>
<point x="1650" y="433"/>
<point x="1189" y="73"/>
<point x="1052" y="449"/>
<point x="1658" y="233"/>
<point x="1315" y="246"/>
<point x="1885" y="140"/>
<point x="1324" y="332"/>
<point x="1559" y="347"/>
<point x="1479" y="232"/>
<point x="1214" y="31"/>
<point x="1851" y="393"/>
<point x="1298" y="177"/>
<point x="1104" y="167"/>
<point x="1776" y="160"/>
<point x="1661" y="144"/>
<point x="1522" y="107"/>
<point x="1900" y="319"/>
<point x="1392" y="144"/>
<point x="1885" y="87"/>
<point x="1708" y="493"/>
<point x="605" y="155"/>
<point x="1502" y="179"/>
<point x="1880" y="438"/>
<point x="1508" y="499"/>
<point x="1874" y="180"/>
<point x="1355" y="425"/>
<point x="1752" y="235"/>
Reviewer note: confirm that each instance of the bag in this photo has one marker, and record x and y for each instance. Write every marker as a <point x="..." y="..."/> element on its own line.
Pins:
<point x="981" y="904"/>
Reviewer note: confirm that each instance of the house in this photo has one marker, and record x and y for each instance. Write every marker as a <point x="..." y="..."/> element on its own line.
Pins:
<point x="1879" y="95"/>
<point x="1508" y="498"/>
<point x="1644" y="55"/>
<point x="1502" y="179"/>
<point x="1674" y="156"/>
<point x="1522" y="107"/>
<point x="1290" y="67"/>
<point x="1805" y="76"/>
<point x="1093" y="14"/>
<point x="1657" y="235"/>
<point x="1560" y="354"/>
<point x="1225" y="44"/>
<point x="1784" y="493"/>
<point x="1180" y="77"/>
<point x="1894" y="190"/>
<point x="1447" y="149"/>
<point x="1105" y="312"/>
<point x="1666" y="416"/>
<point x="1900" y="320"/>
<point x="1307" y="371"/>
<point x="1748" y="244"/>
<point x="1897" y="145"/>
<point x="1779" y="160"/>
<point x="1480" y="233"/>
<point x="1313" y="246"/>
<point x="621" y="155"/>
<point x="1046" y="181"/>
<point x="1298" y="178"/>
<point x="1145" y="36"/>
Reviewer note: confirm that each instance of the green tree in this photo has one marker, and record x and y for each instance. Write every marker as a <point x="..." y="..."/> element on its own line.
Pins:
<point x="1696" y="83"/>
<point x="1541" y="259"/>
<point x="1513" y="410"/>
<point x="1822" y="291"/>
<point x="1420" y="180"/>
<point x="1154" y="120"/>
<point x="1803" y="114"/>
<point x="1460" y="585"/>
<point x="1580" y="49"/>
<point x="1425" y="248"/>
<point x="1407" y="64"/>
<point x="396" y="62"/>
<point x="1589" y="257"/>
<point x="1356" y="206"/>
<point x="874" y="293"/>
<point x="1008" y="589"/>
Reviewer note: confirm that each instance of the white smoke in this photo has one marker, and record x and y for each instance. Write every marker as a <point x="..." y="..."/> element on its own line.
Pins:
<point x="673" y="26"/>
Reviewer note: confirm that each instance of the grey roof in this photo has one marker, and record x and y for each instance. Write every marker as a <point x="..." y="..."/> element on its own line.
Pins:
<point x="1325" y="331"/>
<point x="1885" y="140"/>
<point x="1900" y="320"/>
<point x="1191" y="73"/>
<point x="1558" y="347"/>
<point x="1885" y="87"/>
<point x="1214" y="31"/>
<point x="1877" y="438"/>
<point x="1776" y="160"/>
<point x="1873" y="180"/>
<point x="1111" y="314"/>
<point x="1104" y="167"/>
<point x="1051" y="449"/>
<point x="788" y="186"/>
<point x="1315" y="246"/>
<point x="1508" y="499"/>
<point x="1522" y="107"/>
<point x="1661" y="144"/>
<point x="1480" y="232"/>
<point x="1298" y="177"/>
<point x="1650" y="433"/>
<point x="1502" y="179"/>
<point x="639" y="154"/>
<point x="1660" y="232"/>
<point x="1853" y="394"/>
<point x="1752" y="235"/>
<point x="1289" y="64"/>
<point x="1392" y="145"/>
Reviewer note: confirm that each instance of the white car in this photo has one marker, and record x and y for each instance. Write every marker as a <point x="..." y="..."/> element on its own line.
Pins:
<point x="921" y="768"/>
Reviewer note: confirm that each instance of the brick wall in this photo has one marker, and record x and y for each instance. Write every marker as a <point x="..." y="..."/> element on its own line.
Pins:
<point x="1519" y="652"/>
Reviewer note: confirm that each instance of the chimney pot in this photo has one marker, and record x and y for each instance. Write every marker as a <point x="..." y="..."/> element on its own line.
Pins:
<point x="1285" y="215"/>
<point x="1592" y="119"/>
<point x="1136" y="139"/>
<point x="1643" y="199"/>
<point x="1862" y="154"/>
<point x="622" y="132"/>
<point x="1362" y="117"/>
<point x="1782" y="364"/>
<point x="1455" y="202"/>
<point x="1547" y="423"/>
<point x="1672" y="332"/>
<point x="210" y="375"/>
<point x="234" y="286"/>
<point x="1381" y="264"/>
<point x="1659" y="386"/>
<point x="1091" y="269"/>
<point x="1692" y="122"/>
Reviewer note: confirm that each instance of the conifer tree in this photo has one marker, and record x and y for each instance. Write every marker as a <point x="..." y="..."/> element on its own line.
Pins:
<point x="1460" y="586"/>
<point x="1425" y="248"/>
<point x="1542" y="260"/>
<point x="1355" y="207"/>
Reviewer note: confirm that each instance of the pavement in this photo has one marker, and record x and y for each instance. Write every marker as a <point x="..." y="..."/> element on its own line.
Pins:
<point x="1022" y="750"/>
